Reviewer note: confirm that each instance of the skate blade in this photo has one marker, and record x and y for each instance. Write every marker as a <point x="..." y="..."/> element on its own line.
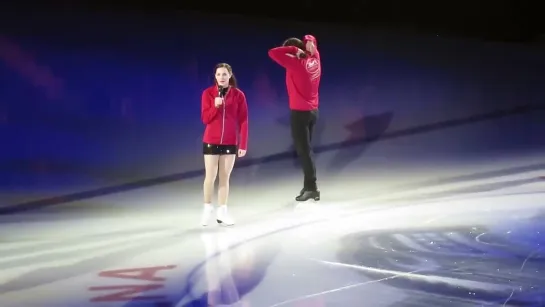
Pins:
<point x="221" y="223"/>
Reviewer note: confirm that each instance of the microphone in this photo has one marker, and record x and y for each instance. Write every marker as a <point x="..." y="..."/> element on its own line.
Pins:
<point x="222" y="91"/>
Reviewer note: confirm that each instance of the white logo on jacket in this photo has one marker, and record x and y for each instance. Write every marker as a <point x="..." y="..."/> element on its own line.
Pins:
<point x="313" y="68"/>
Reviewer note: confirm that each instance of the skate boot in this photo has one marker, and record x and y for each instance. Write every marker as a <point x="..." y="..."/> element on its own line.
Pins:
<point x="206" y="214"/>
<point x="306" y="195"/>
<point x="223" y="217"/>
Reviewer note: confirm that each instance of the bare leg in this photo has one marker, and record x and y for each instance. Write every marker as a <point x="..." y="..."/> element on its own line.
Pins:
<point x="211" y="167"/>
<point x="226" y="163"/>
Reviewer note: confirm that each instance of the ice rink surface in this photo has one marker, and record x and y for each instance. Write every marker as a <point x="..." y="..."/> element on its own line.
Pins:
<point x="436" y="219"/>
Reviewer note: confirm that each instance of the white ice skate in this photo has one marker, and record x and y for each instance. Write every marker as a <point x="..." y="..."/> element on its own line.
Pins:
<point x="206" y="214"/>
<point x="223" y="217"/>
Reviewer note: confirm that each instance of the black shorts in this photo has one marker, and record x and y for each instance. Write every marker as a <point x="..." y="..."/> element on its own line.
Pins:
<point x="213" y="149"/>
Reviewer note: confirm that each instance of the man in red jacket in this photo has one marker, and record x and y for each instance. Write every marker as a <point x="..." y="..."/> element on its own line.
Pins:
<point x="301" y="60"/>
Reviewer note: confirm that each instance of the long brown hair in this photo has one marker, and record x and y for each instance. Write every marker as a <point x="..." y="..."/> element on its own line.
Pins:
<point x="232" y="80"/>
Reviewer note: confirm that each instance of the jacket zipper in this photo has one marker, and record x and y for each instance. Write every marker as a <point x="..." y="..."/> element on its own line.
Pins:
<point x="223" y="122"/>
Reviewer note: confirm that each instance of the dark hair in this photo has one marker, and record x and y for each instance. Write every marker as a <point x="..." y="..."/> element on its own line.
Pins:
<point x="294" y="41"/>
<point x="232" y="80"/>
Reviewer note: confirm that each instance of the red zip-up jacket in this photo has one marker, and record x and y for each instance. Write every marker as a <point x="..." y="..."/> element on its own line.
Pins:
<point x="302" y="75"/>
<point x="228" y="124"/>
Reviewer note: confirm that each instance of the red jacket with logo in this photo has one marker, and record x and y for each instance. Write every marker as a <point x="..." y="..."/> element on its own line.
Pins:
<point x="228" y="124"/>
<point x="302" y="75"/>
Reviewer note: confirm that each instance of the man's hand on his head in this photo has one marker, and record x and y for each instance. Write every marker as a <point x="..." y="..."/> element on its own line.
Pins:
<point x="311" y="47"/>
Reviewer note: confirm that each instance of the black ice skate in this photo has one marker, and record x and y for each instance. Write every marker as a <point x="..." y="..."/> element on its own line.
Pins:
<point x="306" y="195"/>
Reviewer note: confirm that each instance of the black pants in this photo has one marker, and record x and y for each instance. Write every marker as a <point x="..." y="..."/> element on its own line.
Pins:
<point x="302" y="128"/>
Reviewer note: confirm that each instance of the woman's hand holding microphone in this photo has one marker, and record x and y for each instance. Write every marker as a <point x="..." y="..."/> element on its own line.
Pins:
<point x="218" y="101"/>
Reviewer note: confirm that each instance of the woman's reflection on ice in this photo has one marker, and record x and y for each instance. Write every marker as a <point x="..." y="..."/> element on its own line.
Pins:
<point x="222" y="289"/>
<point x="235" y="266"/>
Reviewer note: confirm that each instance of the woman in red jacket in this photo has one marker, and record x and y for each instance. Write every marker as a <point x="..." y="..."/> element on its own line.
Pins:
<point x="225" y="113"/>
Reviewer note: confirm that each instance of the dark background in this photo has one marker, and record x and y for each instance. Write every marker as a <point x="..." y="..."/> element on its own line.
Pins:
<point x="99" y="97"/>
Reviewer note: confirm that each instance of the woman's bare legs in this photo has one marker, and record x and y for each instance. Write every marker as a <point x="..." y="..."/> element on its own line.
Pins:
<point x="211" y="163"/>
<point x="226" y="163"/>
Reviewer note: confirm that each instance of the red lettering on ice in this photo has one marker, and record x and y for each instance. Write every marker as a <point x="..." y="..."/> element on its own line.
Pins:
<point x="131" y="292"/>
<point x="126" y="293"/>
